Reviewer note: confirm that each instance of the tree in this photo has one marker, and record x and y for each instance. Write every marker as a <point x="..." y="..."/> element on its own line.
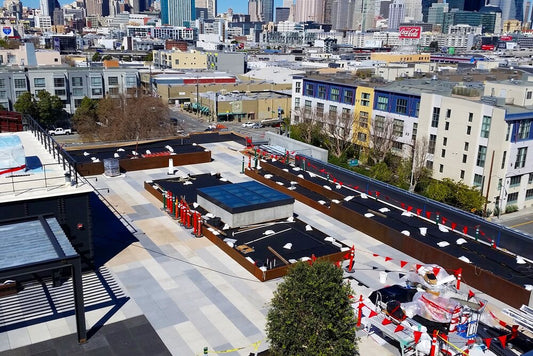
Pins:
<point x="97" y="57"/>
<point x="132" y="118"/>
<point x="382" y="138"/>
<point x="25" y="104"/>
<point x="307" y="127"/>
<point x="49" y="109"/>
<point x="418" y="160"/>
<point x="310" y="313"/>
<point x="338" y="133"/>
<point x="85" y="119"/>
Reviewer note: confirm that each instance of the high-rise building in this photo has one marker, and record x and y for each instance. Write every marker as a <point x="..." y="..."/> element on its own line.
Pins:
<point x="261" y="10"/>
<point x="396" y="14"/>
<point x="309" y="10"/>
<point x="426" y="4"/>
<point x="210" y="5"/>
<point x="177" y="12"/>
<point x="326" y="13"/>
<point x="282" y="14"/>
<point x="512" y="9"/>
<point x="413" y="10"/>
<point x="475" y="5"/>
<point x="48" y="6"/>
<point x="96" y="7"/>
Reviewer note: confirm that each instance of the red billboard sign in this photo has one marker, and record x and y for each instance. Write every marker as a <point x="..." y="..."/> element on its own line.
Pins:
<point x="506" y="38"/>
<point x="410" y="31"/>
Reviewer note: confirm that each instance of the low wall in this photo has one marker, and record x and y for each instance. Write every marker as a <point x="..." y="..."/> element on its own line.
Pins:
<point x="297" y="146"/>
<point x="137" y="164"/>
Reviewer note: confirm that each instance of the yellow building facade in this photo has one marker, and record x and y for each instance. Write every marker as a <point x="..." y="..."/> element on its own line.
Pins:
<point x="400" y="57"/>
<point x="364" y="99"/>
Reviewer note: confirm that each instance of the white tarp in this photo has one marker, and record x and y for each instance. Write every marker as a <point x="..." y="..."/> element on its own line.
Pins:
<point x="11" y="152"/>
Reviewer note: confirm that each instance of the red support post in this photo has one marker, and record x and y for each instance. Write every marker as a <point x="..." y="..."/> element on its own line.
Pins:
<point x="459" y="277"/>
<point x="433" y="351"/>
<point x="199" y="225"/>
<point x="360" y="311"/>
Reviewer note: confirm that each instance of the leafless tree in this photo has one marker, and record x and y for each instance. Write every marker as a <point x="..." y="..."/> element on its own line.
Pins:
<point x="419" y="158"/>
<point x="132" y="118"/>
<point x="306" y="125"/>
<point x="382" y="137"/>
<point x="338" y="130"/>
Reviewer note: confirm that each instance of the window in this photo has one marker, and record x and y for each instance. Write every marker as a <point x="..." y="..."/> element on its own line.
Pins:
<point x="401" y="106"/>
<point x="441" y="168"/>
<point x="365" y="99"/>
<point x="307" y="107"/>
<point x="415" y="131"/>
<point x="397" y="128"/>
<point x="513" y="197"/>
<point x="443" y="153"/>
<point x="383" y="103"/>
<point x="361" y="136"/>
<point x="528" y="95"/>
<point x="20" y="92"/>
<point x="363" y="119"/>
<point x="444" y="141"/>
<point x="481" y="155"/>
<point x="529" y="194"/>
<point x="2" y="83"/>
<point x="309" y="89"/>
<point x="77" y="81"/>
<point x="478" y="180"/>
<point x="77" y="103"/>
<point x="3" y="94"/>
<point x="432" y="142"/>
<point x="131" y="82"/>
<point x="530" y="179"/>
<point x="298" y="87"/>
<point x="112" y="81"/>
<point x="467" y="145"/>
<point x="296" y="103"/>
<point x="523" y="129"/>
<point x="447" y="125"/>
<point x="515" y="181"/>
<point x="332" y="111"/>
<point x="348" y="97"/>
<point x="448" y="113"/>
<point x="462" y="174"/>
<point x="435" y="117"/>
<point x="417" y="108"/>
<point x="39" y="82"/>
<point x="60" y="92"/>
<point x="470" y="116"/>
<point x="320" y="109"/>
<point x="334" y="94"/>
<point x="379" y="123"/>
<point x="521" y="158"/>
<point x="59" y="82"/>
<point x="503" y="159"/>
<point x="96" y="91"/>
<point x="77" y="91"/>
<point x="508" y="132"/>
<point x="465" y="157"/>
<point x="345" y="113"/>
<point x="468" y="130"/>
<point x="322" y="92"/>
<point x="397" y="145"/>
<point x="96" y="81"/>
<point x="485" y="126"/>
<point x="429" y="165"/>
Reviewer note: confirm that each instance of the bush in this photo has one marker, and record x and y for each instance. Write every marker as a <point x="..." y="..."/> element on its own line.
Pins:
<point x="511" y="208"/>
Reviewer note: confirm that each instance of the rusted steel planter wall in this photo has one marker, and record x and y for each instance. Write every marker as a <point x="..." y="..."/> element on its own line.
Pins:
<point x="491" y="284"/>
<point x="137" y="164"/>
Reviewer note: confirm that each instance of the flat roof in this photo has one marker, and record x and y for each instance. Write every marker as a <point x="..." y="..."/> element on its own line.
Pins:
<point x="246" y="196"/>
<point x="43" y="176"/>
<point x="32" y="241"/>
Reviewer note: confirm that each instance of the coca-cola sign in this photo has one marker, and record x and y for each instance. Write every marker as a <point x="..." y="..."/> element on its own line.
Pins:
<point x="410" y="31"/>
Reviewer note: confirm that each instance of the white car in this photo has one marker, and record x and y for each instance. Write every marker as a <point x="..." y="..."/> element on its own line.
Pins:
<point x="248" y="124"/>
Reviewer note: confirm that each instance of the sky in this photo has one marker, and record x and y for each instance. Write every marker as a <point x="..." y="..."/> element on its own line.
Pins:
<point x="238" y="6"/>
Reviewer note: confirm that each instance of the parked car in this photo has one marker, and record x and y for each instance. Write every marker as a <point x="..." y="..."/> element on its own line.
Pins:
<point x="257" y="125"/>
<point x="60" y="131"/>
<point x="248" y="124"/>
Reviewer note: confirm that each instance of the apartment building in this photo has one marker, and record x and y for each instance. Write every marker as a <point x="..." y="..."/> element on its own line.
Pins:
<point x="478" y="134"/>
<point x="233" y="62"/>
<point x="70" y="84"/>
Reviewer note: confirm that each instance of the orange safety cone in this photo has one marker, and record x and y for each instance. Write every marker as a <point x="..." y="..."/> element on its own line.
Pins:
<point x="188" y="219"/>
<point x="433" y="351"/>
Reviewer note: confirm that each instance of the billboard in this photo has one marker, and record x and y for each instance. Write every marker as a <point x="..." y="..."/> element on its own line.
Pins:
<point x="410" y="31"/>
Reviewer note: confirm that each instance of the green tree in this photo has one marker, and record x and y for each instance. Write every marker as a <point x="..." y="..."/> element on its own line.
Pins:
<point x="97" y="57"/>
<point x="310" y="313"/>
<point x="381" y="172"/>
<point x="85" y="119"/>
<point x="49" y="108"/>
<point x="149" y="57"/>
<point x="25" y="104"/>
